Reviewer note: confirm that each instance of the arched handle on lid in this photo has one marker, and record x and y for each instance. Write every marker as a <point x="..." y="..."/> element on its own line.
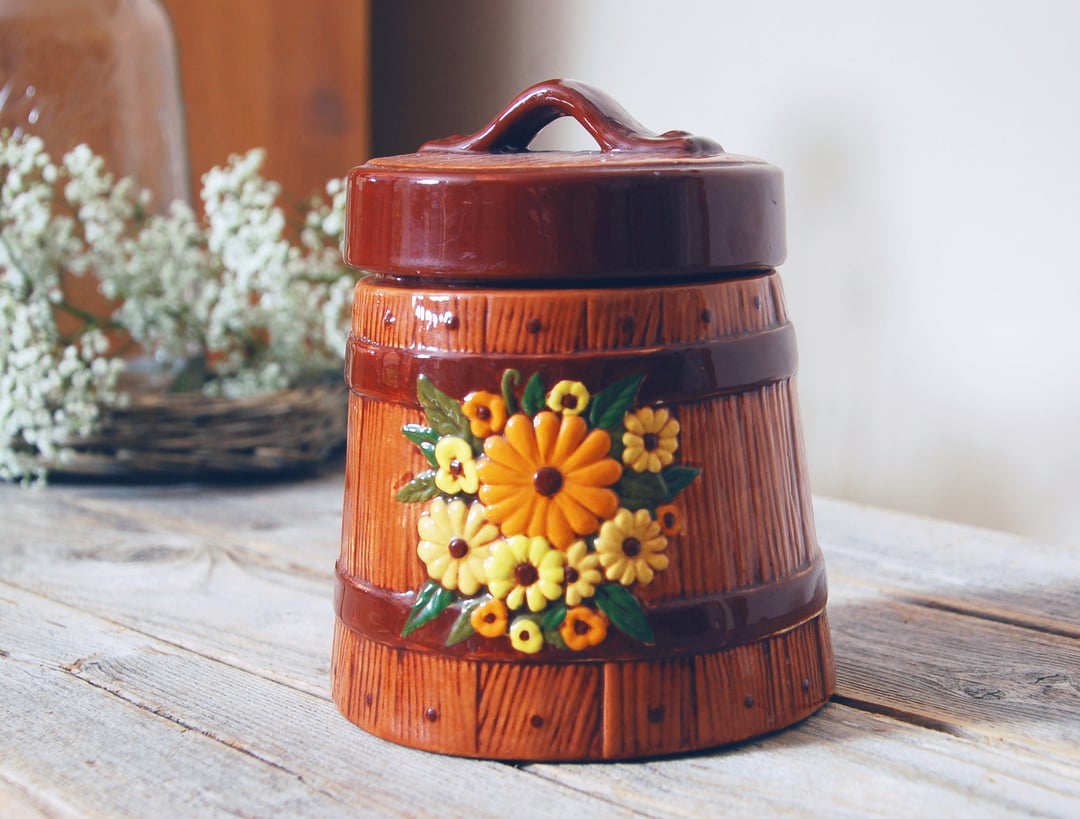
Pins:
<point x="611" y="125"/>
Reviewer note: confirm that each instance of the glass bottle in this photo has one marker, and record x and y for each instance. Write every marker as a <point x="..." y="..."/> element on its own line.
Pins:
<point x="103" y="72"/>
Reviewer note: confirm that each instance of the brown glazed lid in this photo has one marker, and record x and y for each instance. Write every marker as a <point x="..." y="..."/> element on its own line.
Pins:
<point x="485" y="209"/>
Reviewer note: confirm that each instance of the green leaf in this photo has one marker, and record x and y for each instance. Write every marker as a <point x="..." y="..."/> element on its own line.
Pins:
<point x="607" y="408"/>
<point x="463" y="627"/>
<point x="624" y="611"/>
<point x="425" y="439"/>
<point x="418" y="434"/>
<point x="431" y="601"/>
<point x="444" y="414"/>
<point x="510" y="379"/>
<point x="641" y="490"/>
<point x="677" y="478"/>
<point x="429" y="452"/>
<point x="554" y="639"/>
<point x="617" y="445"/>
<point x="420" y="488"/>
<point x="532" y="400"/>
<point x="555" y="615"/>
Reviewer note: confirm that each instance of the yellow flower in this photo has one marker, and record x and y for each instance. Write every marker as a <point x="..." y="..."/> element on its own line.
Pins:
<point x="670" y="519"/>
<point x="455" y="540"/>
<point x="525" y="570"/>
<point x="583" y="628"/>
<point x="489" y="619"/>
<point x="582" y="573"/>
<point x="457" y="469"/>
<point x="525" y="635"/>
<point x="651" y="438"/>
<point x="549" y="476"/>
<point x="631" y="547"/>
<point x="568" y="397"/>
<point x="486" y="412"/>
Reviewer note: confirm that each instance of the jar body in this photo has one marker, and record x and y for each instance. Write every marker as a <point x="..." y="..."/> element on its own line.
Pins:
<point x="741" y="643"/>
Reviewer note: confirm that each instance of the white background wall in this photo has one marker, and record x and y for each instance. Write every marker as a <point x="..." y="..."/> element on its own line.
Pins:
<point x="932" y="161"/>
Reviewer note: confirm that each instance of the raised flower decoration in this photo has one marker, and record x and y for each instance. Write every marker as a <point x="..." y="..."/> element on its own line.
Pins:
<point x="549" y="475"/>
<point x="545" y="510"/>
<point x="455" y="540"/>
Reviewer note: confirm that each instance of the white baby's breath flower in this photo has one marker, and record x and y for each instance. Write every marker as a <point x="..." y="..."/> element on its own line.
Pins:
<point x="232" y="291"/>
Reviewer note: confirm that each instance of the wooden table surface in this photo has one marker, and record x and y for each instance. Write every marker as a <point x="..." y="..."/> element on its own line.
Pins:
<point x="165" y="651"/>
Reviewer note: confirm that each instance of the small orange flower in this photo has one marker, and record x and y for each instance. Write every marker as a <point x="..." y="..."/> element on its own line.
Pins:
<point x="670" y="519"/>
<point x="486" y="412"/>
<point x="583" y="628"/>
<point x="490" y="618"/>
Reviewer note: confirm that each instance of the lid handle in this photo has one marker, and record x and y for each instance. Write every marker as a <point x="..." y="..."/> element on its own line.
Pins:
<point x="599" y="114"/>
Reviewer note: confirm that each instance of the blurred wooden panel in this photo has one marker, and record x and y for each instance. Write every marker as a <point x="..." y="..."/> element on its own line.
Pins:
<point x="290" y="77"/>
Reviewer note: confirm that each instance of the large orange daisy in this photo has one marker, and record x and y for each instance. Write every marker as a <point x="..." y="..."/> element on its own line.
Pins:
<point x="548" y="476"/>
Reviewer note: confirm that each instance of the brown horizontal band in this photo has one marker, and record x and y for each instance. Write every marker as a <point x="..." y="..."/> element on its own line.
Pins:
<point x="677" y="373"/>
<point x="701" y="625"/>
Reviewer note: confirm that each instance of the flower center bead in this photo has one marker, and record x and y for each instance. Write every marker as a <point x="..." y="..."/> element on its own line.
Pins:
<point x="483" y="413"/>
<point x="669" y="520"/>
<point x="651" y="441"/>
<point x="571" y="575"/>
<point x="456" y="468"/>
<point x="458" y="548"/>
<point x="525" y="574"/>
<point x="581" y="627"/>
<point x="547" y="481"/>
<point x="631" y="547"/>
<point x="569" y="401"/>
<point x="489" y="617"/>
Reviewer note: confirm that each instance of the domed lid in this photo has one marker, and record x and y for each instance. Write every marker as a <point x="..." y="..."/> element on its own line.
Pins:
<point x="484" y="208"/>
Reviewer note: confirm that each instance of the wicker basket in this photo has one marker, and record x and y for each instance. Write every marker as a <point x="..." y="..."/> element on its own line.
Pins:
<point x="190" y="435"/>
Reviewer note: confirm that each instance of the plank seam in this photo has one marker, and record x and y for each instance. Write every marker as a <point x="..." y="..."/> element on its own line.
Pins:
<point x="908" y="717"/>
<point x="982" y="614"/>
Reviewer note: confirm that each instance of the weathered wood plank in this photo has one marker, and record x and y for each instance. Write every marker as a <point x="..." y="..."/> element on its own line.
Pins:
<point x="947" y="565"/>
<point x="109" y="756"/>
<point x="138" y="726"/>
<point x="968" y="638"/>
<point x="229" y="597"/>
<point x="21" y="800"/>
<point x="957" y="673"/>
<point x="840" y="762"/>
<point x="223" y="579"/>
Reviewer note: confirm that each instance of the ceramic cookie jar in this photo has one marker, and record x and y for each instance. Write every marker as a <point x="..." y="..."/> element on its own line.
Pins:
<point x="577" y="523"/>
